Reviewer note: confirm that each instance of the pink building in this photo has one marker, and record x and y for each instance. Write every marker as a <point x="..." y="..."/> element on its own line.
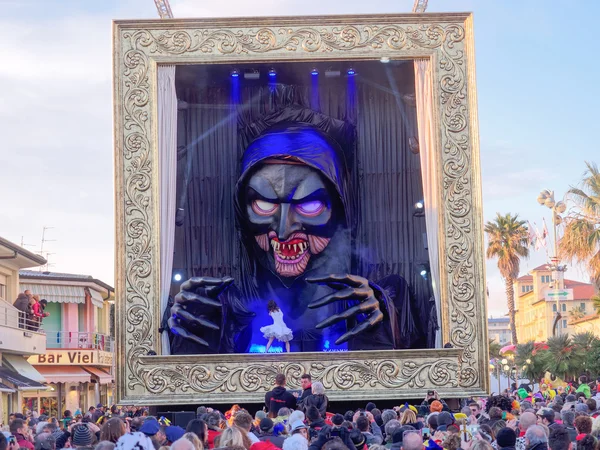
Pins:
<point x="78" y="362"/>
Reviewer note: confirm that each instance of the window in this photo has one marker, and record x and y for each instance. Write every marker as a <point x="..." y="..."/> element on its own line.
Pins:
<point x="3" y="284"/>
<point x="546" y="279"/>
<point x="564" y="307"/>
<point x="553" y="307"/>
<point x="564" y="323"/>
<point x="582" y="306"/>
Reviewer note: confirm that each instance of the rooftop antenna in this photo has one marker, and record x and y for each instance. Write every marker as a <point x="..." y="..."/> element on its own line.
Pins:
<point x="419" y="6"/>
<point x="23" y="244"/>
<point x="44" y="240"/>
<point x="164" y="9"/>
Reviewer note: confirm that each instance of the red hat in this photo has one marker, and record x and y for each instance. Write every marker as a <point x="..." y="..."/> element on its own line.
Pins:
<point x="436" y="406"/>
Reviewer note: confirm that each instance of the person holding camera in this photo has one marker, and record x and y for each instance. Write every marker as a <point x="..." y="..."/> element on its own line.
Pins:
<point x="328" y="433"/>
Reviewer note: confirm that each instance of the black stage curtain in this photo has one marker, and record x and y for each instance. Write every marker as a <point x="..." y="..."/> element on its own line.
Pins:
<point x="386" y="175"/>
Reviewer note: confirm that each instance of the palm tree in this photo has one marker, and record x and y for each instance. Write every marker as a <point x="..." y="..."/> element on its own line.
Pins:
<point x="494" y="348"/>
<point x="583" y="343"/>
<point x="531" y="359"/>
<point x="581" y="239"/>
<point x="560" y="359"/>
<point x="508" y="241"/>
<point x="577" y="312"/>
<point x="596" y="300"/>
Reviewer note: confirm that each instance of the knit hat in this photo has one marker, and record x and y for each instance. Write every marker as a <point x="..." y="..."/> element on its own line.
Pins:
<point x="61" y="438"/>
<point x="445" y="418"/>
<point x="436" y="406"/>
<point x="358" y="439"/>
<point x="136" y="440"/>
<point x="45" y="441"/>
<point x="506" y="437"/>
<point x="266" y="424"/>
<point x="82" y="435"/>
<point x="174" y="433"/>
<point x="297" y="426"/>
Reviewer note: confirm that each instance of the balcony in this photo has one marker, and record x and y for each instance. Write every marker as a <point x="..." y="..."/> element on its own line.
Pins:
<point x="18" y="334"/>
<point x="69" y="340"/>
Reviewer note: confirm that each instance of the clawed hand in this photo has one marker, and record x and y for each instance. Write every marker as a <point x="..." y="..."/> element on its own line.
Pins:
<point x="196" y="292"/>
<point x="348" y="287"/>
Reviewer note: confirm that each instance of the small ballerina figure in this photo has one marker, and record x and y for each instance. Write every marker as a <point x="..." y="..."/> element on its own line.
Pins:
<point x="278" y="330"/>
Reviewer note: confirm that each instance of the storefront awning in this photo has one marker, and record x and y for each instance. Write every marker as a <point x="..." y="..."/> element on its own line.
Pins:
<point x="6" y="389"/>
<point x="103" y="377"/>
<point x="56" y="293"/>
<point x="19" y="381"/>
<point x="21" y="366"/>
<point x="97" y="299"/>
<point x="64" y="374"/>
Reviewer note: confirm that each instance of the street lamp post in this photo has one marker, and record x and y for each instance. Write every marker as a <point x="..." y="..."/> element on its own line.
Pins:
<point x="546" y="198"/>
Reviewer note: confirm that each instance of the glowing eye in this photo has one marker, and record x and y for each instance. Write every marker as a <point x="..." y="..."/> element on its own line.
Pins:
<point x="313" y="208"/>
<point x="264" y="208"/>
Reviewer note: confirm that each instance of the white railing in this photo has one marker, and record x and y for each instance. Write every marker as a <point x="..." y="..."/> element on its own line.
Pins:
<point x="74" y="339"/>
<point x="13" y="318"/>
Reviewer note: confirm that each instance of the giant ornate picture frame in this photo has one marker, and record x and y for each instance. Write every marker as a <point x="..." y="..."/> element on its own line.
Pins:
<point x="146" y="377"/>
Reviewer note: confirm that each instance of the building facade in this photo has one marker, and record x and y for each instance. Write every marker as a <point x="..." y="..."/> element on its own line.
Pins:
<point x="538" y="298"/>
<point x="20" y="337"/>
<point x="499" y="330"/>
<point x="78" y="360"/>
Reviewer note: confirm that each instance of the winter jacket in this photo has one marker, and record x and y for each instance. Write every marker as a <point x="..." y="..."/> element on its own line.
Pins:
<point x="212" y="434"/>
<point x="327" y="433"/>
<point x="305" y="394"/>
<point x="585" y="388"/>
<point x="277" y="441"/>
<point x="22" y="304"/>
<point x="279" y="398"/>
<point x="23" y="442"/>
<point x="320" y="401"/>
<point x="374" y="436"/>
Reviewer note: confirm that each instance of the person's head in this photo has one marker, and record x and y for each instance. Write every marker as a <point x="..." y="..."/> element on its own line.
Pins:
<point x="173" y="433"/>
<point x="432" y="421"/>
<point x="370" y="406"/>
<point x="112" y="430"/>
<point x="232" y="437"/>
<point x="272" y="306"/>
<point x="295" y="442"/>
<point x="414" y="441"/>
<point x="591" y="404"/>
<point x="398" y="436"/>
<point x="45" y="441"/>
<point x="198" y="427"/>
<point x="559" y="438"/>
<point x="183" y="444"/>
<point x="44" y="303"/>
<point x="213" y="420"/>
<point x="497" y="426"/>
<point x="362" y="423"/>
<point x="581" y="408"/>
<point x="299" y="428"/>
<point x="568" y="417"/>
<point x="571" y="398"/>
<point x="335" y="443"/>
<point x="436" y="406"/>
<point x="82" y="436"/>
<point x="506" y="437"/>
<point x="545" y="416"/>
<point x="583" y="424"/>
<point x="318" y="388"/>
<point x="243" y="420"/>
<point x="390" y="428"/>
<point x="475" y="408"/>
<point x="28" y="293"/>
<point x="495" y="413"/>
<point x="534" y="435"/>
<point x="588" y="442"/>
<point x="284" y="412"/>
<point x="280" y="380"/>
<point x="18" y="426"/>
<point x="105" y="445"/>
<point x="481" y="444"/>
<point x="408" y="417"/>
<point x="195" y="440"/>
<point x="387" y="415"/>
<point x="305" y="381"/>
<point x="266" y="426"/>
<point x="312" y="414"/>
<point x="450" y="442"/>
<point x="135" y="440"/>
<point x="67" y="414"/>
<point x="296" y="415"/>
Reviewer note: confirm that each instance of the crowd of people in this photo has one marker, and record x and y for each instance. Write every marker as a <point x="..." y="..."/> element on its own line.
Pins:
<point x="305" y="420"/>
<point x="31" y="310"/>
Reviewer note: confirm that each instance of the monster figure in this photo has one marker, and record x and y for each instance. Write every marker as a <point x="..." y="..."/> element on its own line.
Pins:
<point x="292" y="210"/>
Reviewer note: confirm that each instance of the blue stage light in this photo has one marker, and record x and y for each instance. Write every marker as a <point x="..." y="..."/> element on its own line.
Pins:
<point x="272" y="73"/>
<point x="315" y="71"/>
<point x="235" y="73"/>
<point x="351" y="72"/>
<point x="177" y="277"/>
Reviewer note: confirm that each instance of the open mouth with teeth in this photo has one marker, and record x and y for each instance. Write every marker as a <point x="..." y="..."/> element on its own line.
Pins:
<point x="292" y="255"/>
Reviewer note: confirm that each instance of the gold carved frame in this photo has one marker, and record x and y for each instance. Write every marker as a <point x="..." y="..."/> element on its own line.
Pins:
<point x="447" y="40"/>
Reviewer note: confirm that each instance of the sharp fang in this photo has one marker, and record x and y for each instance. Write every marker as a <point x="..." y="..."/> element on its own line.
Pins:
<point x="295" y="248"/>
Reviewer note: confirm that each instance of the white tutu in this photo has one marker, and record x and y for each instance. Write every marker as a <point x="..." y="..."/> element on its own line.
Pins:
<point x="278" y="330"/>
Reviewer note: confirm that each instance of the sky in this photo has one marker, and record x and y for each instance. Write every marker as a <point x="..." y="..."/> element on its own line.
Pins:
<point x="537" y="92"/>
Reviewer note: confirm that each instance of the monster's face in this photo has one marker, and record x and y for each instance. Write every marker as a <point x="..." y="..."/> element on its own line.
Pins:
<point x="289" y="207"/>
